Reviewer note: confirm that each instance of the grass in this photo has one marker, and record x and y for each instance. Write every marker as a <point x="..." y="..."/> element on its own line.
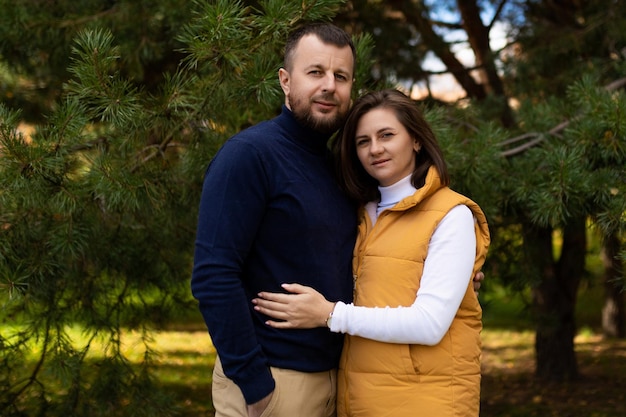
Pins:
<point x="186" y="366"/>
<point x="509" y="389"/>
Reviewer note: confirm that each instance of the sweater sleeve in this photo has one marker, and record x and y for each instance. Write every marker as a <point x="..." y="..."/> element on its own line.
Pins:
<point x="441" y="291"/>
<point x="231" y="208"/>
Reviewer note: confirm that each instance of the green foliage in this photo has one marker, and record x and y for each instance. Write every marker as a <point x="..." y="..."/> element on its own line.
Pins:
<point x="472" y="154"/>
<point x="36" y="41"/>
<point x="397" y="45"/>
<point x="99" y="203"/>
<point x="562" y="40"/>
<point x="578" y="171"/>
<point x="573" y="168"/>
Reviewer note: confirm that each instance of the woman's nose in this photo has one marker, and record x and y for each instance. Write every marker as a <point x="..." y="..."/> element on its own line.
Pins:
<point x="375" y="147"/>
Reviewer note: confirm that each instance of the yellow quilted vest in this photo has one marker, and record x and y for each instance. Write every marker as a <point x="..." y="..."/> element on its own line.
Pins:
<point x="384" y="379"/>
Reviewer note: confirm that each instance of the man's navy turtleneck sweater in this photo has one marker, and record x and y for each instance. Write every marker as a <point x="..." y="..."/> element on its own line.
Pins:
<point x="271" y="213"/>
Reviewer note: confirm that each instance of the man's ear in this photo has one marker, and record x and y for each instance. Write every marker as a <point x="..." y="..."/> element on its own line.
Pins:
<point x="283" y="77"/>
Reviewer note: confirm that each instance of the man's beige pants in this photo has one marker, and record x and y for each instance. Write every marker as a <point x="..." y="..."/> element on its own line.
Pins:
<point x="297" y="394"/>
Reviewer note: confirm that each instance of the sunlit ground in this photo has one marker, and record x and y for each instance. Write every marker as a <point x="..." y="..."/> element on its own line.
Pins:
<point x="509" y="389"/>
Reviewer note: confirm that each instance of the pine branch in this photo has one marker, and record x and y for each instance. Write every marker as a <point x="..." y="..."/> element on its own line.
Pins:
<point x="32" y="378"/>
<point x="157" y="150"/>
<point x="538" y="137"/>
<point x="86" y="19"/>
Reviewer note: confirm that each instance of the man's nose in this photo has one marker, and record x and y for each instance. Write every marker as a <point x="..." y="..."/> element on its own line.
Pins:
<point x="329" y="83"/>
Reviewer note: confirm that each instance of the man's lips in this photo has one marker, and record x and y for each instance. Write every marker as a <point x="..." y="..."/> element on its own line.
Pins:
<point x="326" y="104"/>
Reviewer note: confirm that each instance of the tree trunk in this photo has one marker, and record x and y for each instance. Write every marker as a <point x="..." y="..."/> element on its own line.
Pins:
<point x="478" y="37"/>
<point x="613" y="316"/>
<point x="417" y="14"/>
<point x="554" y="298"/>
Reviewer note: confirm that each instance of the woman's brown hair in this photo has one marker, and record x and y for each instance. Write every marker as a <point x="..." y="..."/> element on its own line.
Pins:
<point x="355" y="181"/>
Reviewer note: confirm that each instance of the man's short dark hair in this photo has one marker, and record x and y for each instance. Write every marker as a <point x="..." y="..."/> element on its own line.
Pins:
<point x="326" y="32"/>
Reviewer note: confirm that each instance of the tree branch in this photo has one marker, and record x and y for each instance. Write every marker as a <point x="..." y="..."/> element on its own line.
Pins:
<point x="538" y="137"/>
<point x="75" y="22"/>
<point x="497" y="14"/>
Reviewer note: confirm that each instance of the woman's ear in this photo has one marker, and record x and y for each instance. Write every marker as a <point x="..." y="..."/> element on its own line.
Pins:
<point x="416" y="146"/>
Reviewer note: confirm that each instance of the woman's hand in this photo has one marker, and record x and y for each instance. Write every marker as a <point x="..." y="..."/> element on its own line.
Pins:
<point x="477" y="281"/>
<point x="302" y="308"/>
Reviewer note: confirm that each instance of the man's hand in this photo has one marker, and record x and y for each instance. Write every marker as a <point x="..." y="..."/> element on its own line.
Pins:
<point x="256" y="409"/>
<point x="478" y="279"/>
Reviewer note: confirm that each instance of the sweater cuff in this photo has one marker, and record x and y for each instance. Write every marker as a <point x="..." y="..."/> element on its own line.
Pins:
<point x="257" y="388"/>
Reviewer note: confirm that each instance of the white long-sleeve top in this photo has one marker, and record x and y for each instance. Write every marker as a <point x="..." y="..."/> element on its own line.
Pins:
<point x="448" y="265"/>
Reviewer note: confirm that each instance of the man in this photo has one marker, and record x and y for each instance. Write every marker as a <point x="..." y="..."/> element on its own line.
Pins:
<point x="271" y="213"/>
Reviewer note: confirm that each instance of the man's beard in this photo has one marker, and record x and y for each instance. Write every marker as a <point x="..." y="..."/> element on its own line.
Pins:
<point x="305" y="117"/>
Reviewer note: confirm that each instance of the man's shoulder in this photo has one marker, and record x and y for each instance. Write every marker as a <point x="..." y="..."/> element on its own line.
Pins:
<point x="261" y="135"/>
<point x="254" y="143"/>
<point x="260" y="129"/>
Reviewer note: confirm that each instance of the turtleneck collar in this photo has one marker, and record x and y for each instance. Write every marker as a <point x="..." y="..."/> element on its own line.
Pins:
<point x="315" y="142"/>
<point x="392" y="194"/>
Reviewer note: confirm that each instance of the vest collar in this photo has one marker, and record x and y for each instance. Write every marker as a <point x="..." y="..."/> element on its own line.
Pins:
<point x="431" y="185"/>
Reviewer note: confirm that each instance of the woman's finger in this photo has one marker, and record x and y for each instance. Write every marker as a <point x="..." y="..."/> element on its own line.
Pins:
<point x="297" y="288"/>
<point x="274" y="296"/>
<point x="277" y="314"/>
<point x="270" y="305"/>
<point x="279" y="324"/>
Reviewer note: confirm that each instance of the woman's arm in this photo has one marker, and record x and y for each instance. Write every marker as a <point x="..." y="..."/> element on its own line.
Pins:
<point x="447" y="269"/>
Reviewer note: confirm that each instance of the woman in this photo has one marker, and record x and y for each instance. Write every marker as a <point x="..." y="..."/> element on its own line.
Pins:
<point x="413" y="344"/>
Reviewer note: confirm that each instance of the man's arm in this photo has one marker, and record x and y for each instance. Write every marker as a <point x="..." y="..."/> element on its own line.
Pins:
<point x="231" y="209"/>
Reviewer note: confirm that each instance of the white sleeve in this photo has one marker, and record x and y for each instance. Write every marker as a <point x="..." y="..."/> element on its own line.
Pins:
<point x="447" y="270"/>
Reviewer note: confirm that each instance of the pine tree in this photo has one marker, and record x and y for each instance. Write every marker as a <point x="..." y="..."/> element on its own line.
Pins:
<point x="546" y="183"/>
<point x="98" y="205"/>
